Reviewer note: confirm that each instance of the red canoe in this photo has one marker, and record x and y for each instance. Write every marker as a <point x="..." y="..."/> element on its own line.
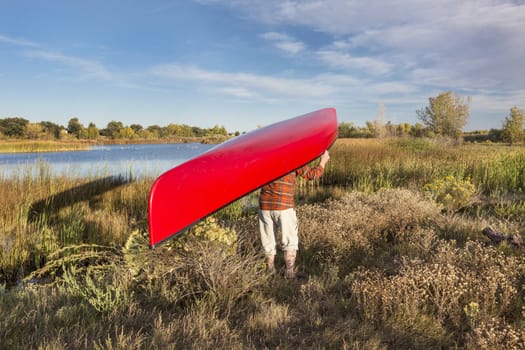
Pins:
<point x="199" y="187"/>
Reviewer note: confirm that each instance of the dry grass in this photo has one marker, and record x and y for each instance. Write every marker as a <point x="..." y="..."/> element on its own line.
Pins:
<point x="42" y="146"/>
<point x="368" y="165"/>
<point x="385" y="269"/>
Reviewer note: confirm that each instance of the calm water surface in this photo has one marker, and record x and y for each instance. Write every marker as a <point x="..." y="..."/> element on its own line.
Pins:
<point x="135" y="160"/>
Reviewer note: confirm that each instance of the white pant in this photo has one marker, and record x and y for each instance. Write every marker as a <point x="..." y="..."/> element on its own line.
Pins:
<point x="269" y="223"/>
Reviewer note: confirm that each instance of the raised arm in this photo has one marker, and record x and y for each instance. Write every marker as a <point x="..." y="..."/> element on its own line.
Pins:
<point x="314" y="173"/>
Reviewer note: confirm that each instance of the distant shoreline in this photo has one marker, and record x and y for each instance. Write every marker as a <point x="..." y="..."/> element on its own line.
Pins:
<point x="36" y="146"/>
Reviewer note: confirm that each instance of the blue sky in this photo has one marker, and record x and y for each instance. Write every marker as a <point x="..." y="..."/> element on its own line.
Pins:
<point x="243" y="64"/>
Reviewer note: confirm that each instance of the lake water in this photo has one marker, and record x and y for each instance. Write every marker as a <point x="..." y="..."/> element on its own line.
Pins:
<point x="135" y="160"/>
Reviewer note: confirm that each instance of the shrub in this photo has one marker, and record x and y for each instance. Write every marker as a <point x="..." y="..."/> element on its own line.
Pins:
<point x="106" y="292"/>
<point x="450" y="192"/>
<point x="357" y="228"/>
<point x="208" y="231"/>
<point x="456" y="287"/>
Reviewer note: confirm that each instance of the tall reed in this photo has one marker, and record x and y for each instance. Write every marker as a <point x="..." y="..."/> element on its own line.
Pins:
<point x="42" y="146"/>
<point x="42" y="213"/>
<point x="368" y="165"/>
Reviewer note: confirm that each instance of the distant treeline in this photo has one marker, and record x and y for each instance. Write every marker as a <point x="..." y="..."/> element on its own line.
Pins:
<point x="21" y="128"/>
<point x="444" y="116"/>
<point x="377" y="130"/>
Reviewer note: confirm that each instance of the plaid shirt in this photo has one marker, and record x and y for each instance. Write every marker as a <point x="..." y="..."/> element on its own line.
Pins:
<point x="279" y="194"/>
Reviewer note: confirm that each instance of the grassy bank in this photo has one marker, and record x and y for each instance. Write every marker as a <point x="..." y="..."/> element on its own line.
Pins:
<point x="42" y="146"/>
<point x="384" y="266"/>
<point x="25" y="146"/>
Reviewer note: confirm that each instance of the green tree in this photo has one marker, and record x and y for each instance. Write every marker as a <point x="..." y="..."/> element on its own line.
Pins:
<point x="52" y="129"/>
<point x="345" y="129"/>
<point x="74" y="127"/>
<point x="495" y="135"/>
<point x="513" y="126"/>
<point x="112" y="129"/>
<point x="188" y="131"/>
<point x="14" y="127"/>
<point x="446" y="114"/>
<point x="127" y="133"/>
<point x="35" y="131"/>
<point x="372" y="128"/>
<point x="137" y="128"/>
<point x="197" y="131"/>
<point x="173" y="130"/>
<point x="92" y="131"/>
<point x="218" y="130"/>
<point x="147" y="134"/>
<point x="404" y="129"/>
<point x="154" y="131"/>
<point x="419" y="130"/>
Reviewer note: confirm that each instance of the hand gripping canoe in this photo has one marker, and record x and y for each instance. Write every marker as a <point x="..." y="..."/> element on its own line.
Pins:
<point x="191" y="191"/>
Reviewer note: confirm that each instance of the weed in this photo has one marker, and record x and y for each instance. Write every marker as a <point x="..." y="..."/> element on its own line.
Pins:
<point x="453" y="194"/>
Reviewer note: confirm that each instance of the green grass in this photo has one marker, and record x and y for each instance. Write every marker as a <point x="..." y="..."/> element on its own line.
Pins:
<point x="368" y="165"/>
<point x="384" y="267"/>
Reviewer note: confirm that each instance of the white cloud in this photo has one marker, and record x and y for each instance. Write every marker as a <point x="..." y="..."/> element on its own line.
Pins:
<point x="397" y="88"/>
<point x="321" y="90"/>
<point x="284" y="42"/>
<point x="290" y="47"/>
<point x="246" y="84"/>
<point x="89" y="68"/>
<point x="486" y="102"/>
<point x="478" y="42"/>
<point x="16" y="42"/>
<point x="274" y="36"/>
<point x="237" y="92"/>
<point x="346" y="60"/>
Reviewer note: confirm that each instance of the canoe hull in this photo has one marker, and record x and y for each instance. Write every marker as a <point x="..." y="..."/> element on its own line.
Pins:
<point x="199" y="187"/>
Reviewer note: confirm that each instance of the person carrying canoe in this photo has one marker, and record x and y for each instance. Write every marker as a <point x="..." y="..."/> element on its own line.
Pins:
<point x="276" y="211"/>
